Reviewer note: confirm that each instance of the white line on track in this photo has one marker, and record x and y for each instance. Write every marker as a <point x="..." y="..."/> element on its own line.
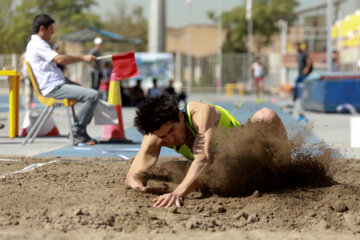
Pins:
<point x="9" y="160"/>
<point x="28" y="168"/>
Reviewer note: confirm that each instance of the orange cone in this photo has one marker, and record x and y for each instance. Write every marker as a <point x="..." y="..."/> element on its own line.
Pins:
<point x="114" y="133"/>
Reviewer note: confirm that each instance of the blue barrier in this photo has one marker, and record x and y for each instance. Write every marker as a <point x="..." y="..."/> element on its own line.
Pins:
<point x="324" y="92"/>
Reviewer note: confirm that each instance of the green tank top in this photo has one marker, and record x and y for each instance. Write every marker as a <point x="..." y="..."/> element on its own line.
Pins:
<point x="226" y="120"/>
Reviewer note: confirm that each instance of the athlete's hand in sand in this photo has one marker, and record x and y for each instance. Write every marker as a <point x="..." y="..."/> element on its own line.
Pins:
<point x="134" y="182"/>
<point x="167" y="200"/>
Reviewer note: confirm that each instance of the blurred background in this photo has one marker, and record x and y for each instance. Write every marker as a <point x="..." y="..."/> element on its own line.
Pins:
<point x="203" y="45"/>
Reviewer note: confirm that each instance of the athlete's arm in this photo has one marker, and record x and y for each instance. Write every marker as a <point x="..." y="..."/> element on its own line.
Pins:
<point x="143" y="161"/>
<point x="205" y="118"/>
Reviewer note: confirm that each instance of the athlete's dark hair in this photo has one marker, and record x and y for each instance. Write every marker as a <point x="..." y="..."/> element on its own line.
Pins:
<point x="42" y="20"/>
<point x="154" y="112"/>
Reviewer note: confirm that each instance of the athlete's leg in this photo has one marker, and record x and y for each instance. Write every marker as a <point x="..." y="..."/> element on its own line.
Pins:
<point x="272" y="120"/>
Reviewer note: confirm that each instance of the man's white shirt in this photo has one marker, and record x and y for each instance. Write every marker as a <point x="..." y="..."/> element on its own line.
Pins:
<point x="40" y="55"/>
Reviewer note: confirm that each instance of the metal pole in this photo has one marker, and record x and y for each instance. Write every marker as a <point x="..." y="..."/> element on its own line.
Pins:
<point x="284" y="28"/>
<point x="178" y="66"/>
<point x="156" y="26"/>
<point x="14" y="62"/>
<point x="329" y="17"/>
<point x="189" y="79"/>
<point x="250" y="33"/>
<point x="219" y="57"/>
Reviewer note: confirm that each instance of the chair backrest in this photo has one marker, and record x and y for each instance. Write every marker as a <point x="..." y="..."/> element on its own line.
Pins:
<point x="33" y="80"/>
<point x="44" y="100"/>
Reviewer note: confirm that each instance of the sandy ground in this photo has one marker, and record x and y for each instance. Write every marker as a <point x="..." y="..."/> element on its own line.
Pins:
<point x="82" y="198"/>
<point x="68" y="198"/>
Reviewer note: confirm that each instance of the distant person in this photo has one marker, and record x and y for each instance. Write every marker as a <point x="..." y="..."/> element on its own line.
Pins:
<point x="125" y="95"/>
<point x="155" y="90"/>
<point x="137" y="94"/>
<point x="304" y="66"/>
<point x="258" y="73"/>
<point x="96" y="65"/>
<point x="51" y="80"/>
<point x="181" y="98"/>
<point x="105" y="80"/>
<point x="170" y="89"/>
<point x="335" y="61"/>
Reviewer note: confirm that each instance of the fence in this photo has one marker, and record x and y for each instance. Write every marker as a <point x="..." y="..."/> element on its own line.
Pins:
<point x="235" y="69"/>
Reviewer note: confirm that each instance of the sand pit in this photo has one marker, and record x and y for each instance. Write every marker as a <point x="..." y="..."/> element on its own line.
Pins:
<point x="312" y="197"/>
<point x="86" y="198"/>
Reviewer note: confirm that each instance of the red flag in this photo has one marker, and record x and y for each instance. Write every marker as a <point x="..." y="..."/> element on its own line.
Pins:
<point x="124" y="65"/>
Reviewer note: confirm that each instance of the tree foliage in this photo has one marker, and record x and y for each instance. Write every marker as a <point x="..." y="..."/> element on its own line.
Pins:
<point x="70" y="15"/>
<point x="130" y="24"/>
<point x="5" y="16"/>
<point x="265" y="14"/>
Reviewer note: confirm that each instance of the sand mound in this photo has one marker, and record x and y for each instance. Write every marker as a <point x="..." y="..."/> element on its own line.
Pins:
<point x="251" y="158"/>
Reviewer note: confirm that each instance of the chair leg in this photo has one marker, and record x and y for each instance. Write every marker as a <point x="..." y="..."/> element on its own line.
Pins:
<point x="70" y="126"/>
<point x="73" y="113"/>
<point x="43" y="120"/>
<point x="37" y="122"/>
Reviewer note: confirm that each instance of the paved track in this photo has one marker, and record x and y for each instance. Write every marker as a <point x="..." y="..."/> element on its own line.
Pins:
<point x="333" y="129"/>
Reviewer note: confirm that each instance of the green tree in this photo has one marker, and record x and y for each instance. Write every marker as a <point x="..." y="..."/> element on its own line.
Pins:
<point x="265" y="14"/>
<point x="131" y="24"/>
<point x="6" y="13"/>
<point x="69" y="15"/>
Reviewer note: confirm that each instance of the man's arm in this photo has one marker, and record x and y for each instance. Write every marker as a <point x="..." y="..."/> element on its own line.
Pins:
<point x="308" y="65"/>
<point x="68" y="59"/>
<point x="143" y="161"/>
<point x="204" y="121"/>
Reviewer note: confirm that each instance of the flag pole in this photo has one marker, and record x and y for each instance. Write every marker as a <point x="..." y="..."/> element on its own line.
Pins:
<point x="104" y="57"/>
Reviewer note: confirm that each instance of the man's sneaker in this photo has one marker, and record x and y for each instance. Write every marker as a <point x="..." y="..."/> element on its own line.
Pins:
<point x="90" y="139"/>
<point x="83" y="138"/>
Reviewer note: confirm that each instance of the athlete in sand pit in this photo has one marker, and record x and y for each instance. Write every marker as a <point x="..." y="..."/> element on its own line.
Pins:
<point x="191" y="132"/>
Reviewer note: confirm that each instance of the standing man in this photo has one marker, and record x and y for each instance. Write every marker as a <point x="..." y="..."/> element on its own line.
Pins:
<point x="51" y="79"/>
<point x="137" y="95"/>
<point x="155" y="90"/>
<point x="96" y="65"/>
<point x="170" y="89"/>
<point x="304" y="66"/>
